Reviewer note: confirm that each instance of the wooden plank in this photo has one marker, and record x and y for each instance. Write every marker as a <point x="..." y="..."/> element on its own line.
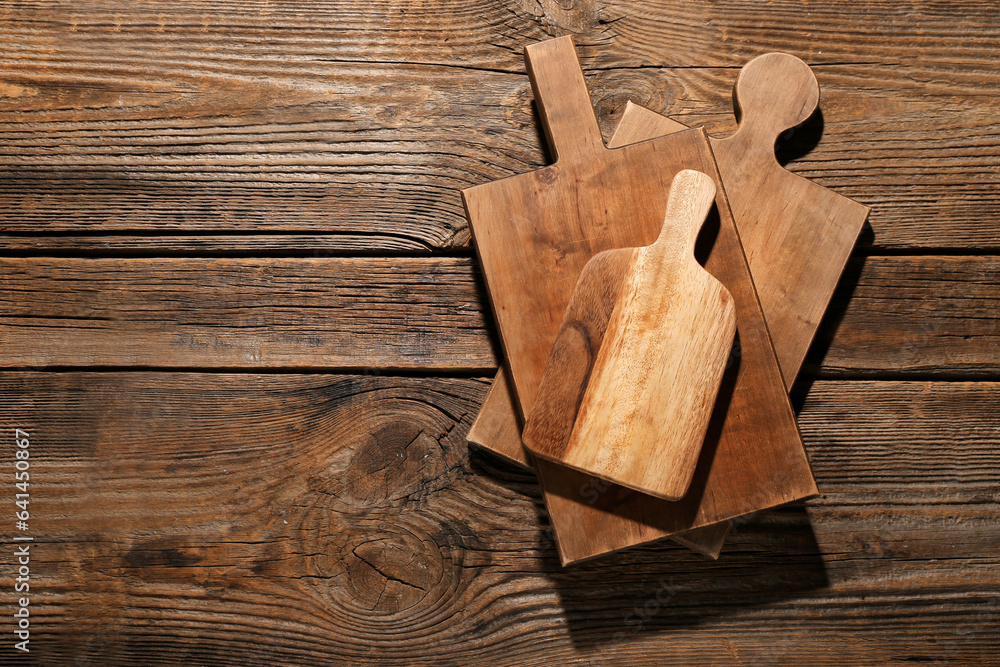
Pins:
<point x="888" y="451"/>
<point x="182" y="243"/>
<point x="244" y="313"/>
<point x="212" y="118"/>
<point x="917" y="315"/>
<point x="285" y="37"/>
<point x="930" y="315"/>
<point x="313" y="520"/>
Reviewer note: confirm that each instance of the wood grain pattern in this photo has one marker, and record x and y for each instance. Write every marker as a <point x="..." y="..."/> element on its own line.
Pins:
<point x="943" y="313"/>
<point x="279" y="117"/>
<point x="277" y="129"/>
<point x="244" y="313"/>
<point x="923" y="316"/>
<point x="631" y="383"/>
<point x="547" y="224"/>
<point x="363" y="549"/>
<point x="797" y="235"/>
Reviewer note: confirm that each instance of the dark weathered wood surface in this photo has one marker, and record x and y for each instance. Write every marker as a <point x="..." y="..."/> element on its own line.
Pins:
<point x="927" y="315"/>
<point x="271" y="189"/>
<point x="293" y="519"/>
<point x="414" y="313"/>
<point x="288" y="117"/>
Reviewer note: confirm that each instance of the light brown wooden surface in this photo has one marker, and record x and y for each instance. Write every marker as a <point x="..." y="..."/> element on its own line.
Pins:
<point x="631" y="383"/>
<point x="534" y="232"/>
<point x="142" y="139"/>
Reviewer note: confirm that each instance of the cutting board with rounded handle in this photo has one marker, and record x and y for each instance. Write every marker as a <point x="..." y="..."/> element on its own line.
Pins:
<point x="797" y="235"/>
<point x="635" y="369"/>
<point x="535" y="232"/>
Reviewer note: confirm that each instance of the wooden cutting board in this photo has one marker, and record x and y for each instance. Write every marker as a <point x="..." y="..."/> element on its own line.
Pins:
<point x="535" y="232"/>
<point x="498" y="425"/>
<point x="803" y="221"/>
<point x="797" y="235"/>
<point x="635" y="369"/>
<point x="814" y="221"/>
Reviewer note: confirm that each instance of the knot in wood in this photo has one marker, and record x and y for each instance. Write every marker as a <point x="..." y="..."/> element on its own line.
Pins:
<point x="393" y="571"/>
<point x="394" y="460"/>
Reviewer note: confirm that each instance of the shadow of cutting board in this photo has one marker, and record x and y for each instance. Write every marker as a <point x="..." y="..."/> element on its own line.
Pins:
<point x="534" y="233"/>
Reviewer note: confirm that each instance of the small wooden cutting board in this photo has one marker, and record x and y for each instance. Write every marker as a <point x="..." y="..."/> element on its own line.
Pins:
<point x="635" y="369"/>
<point x="535" y="232"/>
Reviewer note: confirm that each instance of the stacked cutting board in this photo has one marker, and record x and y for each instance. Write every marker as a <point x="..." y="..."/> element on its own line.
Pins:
<point x="655" y="298"/>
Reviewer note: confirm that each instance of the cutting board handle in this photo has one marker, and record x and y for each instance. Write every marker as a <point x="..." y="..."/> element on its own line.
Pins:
<point x="773" y="92"/>
<point x="691" y="196"/>
<point x="562" y="98"/>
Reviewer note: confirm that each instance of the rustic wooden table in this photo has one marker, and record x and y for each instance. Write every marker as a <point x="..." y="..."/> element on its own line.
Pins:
<point x="243" y="327"/>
